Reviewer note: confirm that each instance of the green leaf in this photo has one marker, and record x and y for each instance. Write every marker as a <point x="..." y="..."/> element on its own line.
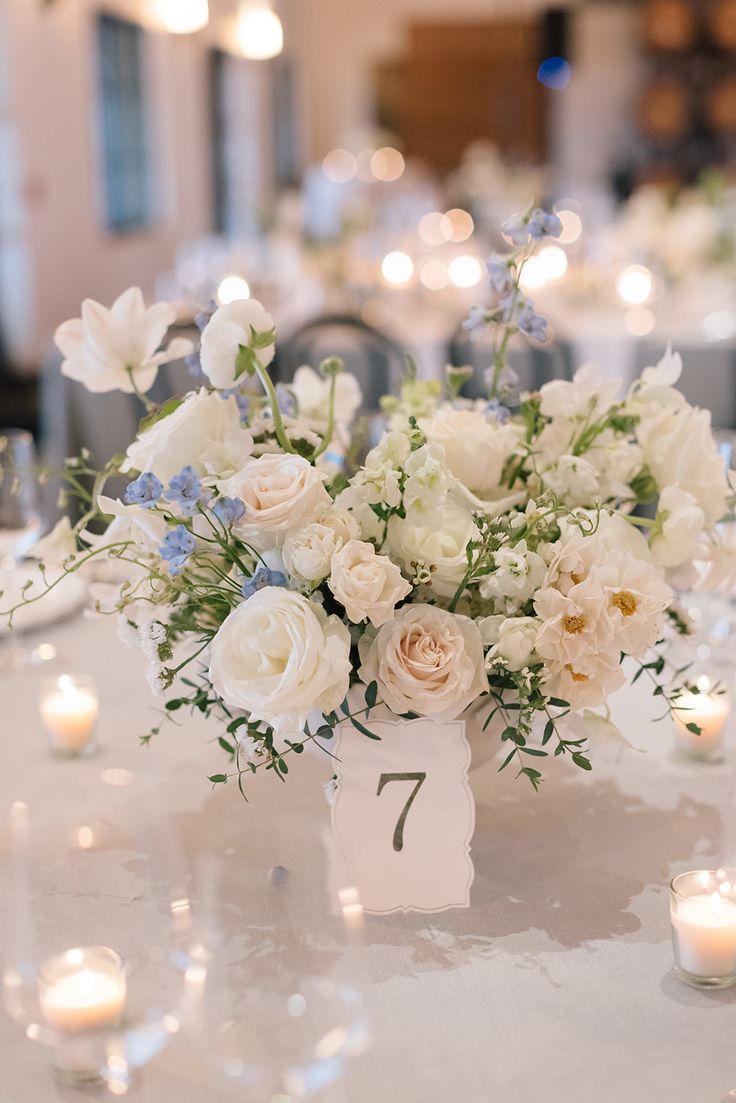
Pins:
<point x="363" y="730"/>
<point x="549" y="728"/>
<point x="506" y="760"/>
<point x="536" y="751"/>
<point x="694" y="728"/>
<point x="225" y="745"/>
<point x="325" y="732"/>
<point x="371" y="694"/>
<point x="581" y="761"/>
<point x="218" y="779"/>
<point x="172" y="706"/>
<point x="559" y="703"/>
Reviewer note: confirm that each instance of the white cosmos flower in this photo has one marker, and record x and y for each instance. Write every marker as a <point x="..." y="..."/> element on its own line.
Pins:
<point x="278" y="656"/>
<point x="203" y="432"/>
<point x="370" y="586"/>
<point x="230" y="327"/>
<point x="103" y="347"/>
<point x="312" y="393"/>
<point x="428" y="661"/>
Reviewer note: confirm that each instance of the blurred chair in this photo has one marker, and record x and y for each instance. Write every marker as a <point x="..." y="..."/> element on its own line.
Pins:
<point x="708" y="377"/>
<point x="372" y="357"/>
<point x="534" y="365"/>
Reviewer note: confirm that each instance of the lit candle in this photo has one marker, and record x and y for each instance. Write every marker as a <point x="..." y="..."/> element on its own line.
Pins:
<point x="710" y="712"/>
<point x="703" y="915"/>
<point x="82" y="989"/>
<point x="69" y="711"/>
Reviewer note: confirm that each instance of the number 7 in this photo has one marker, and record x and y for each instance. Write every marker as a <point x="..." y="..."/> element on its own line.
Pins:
<point x="383" y="781"/>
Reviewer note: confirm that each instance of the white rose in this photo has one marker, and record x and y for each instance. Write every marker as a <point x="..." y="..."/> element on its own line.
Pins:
<point x="312" y="393"/>
<point x="427" y="661"/>
<point x="368" y="585"/>
<point x="230" y="327"/>
<point x="681" y="522"/>
<point x="517" y="637"/>
<point x="476" y="446"/>
<point x="308" y="552"/>
<point x="104" y="348"/>
<point x="437" y="541"/>
<point x="278" y="656"/>
<point x="281" y="492"/>
<point x="204" y="432"/>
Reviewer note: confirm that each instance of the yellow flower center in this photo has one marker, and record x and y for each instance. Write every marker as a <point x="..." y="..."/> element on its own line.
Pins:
<point x="626" y="602"/>
<point x="574" y="624"/>
<point x="576" y="675"/>
<point x="576" y="577"/>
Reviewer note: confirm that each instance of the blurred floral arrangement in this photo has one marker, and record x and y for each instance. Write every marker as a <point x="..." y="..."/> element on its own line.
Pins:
<point x="679" y="233"/>
<point x="485" y="559"/>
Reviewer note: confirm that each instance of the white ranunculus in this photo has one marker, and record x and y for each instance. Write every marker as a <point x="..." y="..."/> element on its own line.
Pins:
<point x="312" y="394"/>
<point x="427" y="661"/>
<point x="681" y="522"/>
<point x="282" y="493"/>
<point x="517" y="637"/>
<point x="476" y="446"/>
<point x="230" y="327"/>
<point x="278" y="656"/>
<point x="308" y="552"/>
<point x="370" y="586"/>
<point x="56" y="546"/>
<point x="589" y="392"/>
<point x="436" y="541"/>
<point x="679" y="450"/>
<point x="103" y="347"/>
<point x="204" y="432"/>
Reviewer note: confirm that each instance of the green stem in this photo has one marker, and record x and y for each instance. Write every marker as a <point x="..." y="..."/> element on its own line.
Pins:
<point x="330" y="431"/>
<point x="147" y="402"/>
<point x="278" y="422"/>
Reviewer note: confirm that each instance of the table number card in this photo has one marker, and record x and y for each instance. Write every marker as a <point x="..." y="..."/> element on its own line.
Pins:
<point x="404" y="814"/>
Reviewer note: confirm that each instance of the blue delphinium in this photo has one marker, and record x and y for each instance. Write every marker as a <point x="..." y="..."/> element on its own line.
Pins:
<point x="178" y="545"/>
<point x="262" y="578"/>
<point x="543" y="224"/>
<point x="496" y="410"/>
<point x="531" y="324"/>
<point x="499" y="271"/>
<point x="228" y="510"/>
<point x="242" y="400"/>
<point x="515" y="229"/>
<point x="286" y="400"/>
<point x="144" y="491"/>
<point x="185" y="489"/>
<point x="476" y="317"/>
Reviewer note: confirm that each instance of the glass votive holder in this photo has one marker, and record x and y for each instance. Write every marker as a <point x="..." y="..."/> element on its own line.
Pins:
<point x="82" y="994"/>
<point x="69" y="709"/>
<point x="709" y="709"/>
<point x="703" y="918"/>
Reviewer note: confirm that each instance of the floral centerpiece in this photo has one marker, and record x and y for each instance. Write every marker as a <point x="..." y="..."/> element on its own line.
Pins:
<point x="488" y="559"/>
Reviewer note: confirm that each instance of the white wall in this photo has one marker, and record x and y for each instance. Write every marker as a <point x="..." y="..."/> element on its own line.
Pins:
<point x="56" y="250"/>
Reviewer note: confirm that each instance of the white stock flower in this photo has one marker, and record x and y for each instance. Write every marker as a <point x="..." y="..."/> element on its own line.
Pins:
<point x="517" y="637"/>
<point x="308" y="552"/>
<point x="574" y="480"/>
<point x="230" y="327"/>
<point x="368" y="585"/>
<point x="680" y="522"/>
<point x="103" y="347"/>
<point x="312" y="394"/>
<point x="518" y="573"/>
<point x="281" y="492"/>
<point x="590" y="392"/>
<point x="476" y="446"/>
<point x="204" y="432"/>
<point x="436" y="541"/>
<point x="427" y="479"/>
<point x="278" y="656"/>
<point x="427" y="661"/>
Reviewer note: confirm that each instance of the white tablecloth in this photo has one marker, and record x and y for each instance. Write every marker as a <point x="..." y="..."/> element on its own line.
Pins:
<point x="554" y="986"/>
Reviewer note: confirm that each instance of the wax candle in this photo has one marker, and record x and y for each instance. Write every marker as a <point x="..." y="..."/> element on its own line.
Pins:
<point x="69" y="711"/>
<point x="82" y="989"/>
<point x="703" y="915"/>
<point x="710" y="711"/>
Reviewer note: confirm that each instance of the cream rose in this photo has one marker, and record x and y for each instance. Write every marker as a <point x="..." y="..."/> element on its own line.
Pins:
<point x="476" y="446"/>
<point x="281" y="494"/>
<point x="368" y="585"/>
<point x="308" y="552"/>
<point x="427" y="661"/>
<point x="517" y="637"/>
<point x="278" y="656"/>
<point x="230" y="327"/>
<point x="204" y="432"/>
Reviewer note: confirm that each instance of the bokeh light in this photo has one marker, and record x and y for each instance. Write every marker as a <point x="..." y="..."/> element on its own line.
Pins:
<point x="461" y="224"/>
<point x="465" y="271"/>
<point x="231" y="289"/>
<point x="260" y="34"/>
<point x="181" y="16"/>
<point x="635" y="284"/>
<point x="532" y="274"/>
<point x="397" y="268"/>
<point x="719" y="325"/>
<point x="555" y="73"/>
<point x="339" y="166"/>
<point x="572" y="227"/>
<point x="433" y="274"/>
<point x="435" y="228"/>
<point x="364" y="165"/>
<point x="639" y="321"/>
<point x="553" y="262"/>
<point x="387" y="164"/>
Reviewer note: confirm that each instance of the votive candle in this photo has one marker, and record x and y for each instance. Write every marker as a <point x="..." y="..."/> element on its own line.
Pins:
<point x="710" y="711"/>
<point x="82" y="989"/>
<point x="703" y="917"/>
<point x="69" y="710"/>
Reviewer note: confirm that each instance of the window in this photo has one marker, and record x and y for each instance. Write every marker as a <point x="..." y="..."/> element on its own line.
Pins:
<point x="122" y="121"/>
